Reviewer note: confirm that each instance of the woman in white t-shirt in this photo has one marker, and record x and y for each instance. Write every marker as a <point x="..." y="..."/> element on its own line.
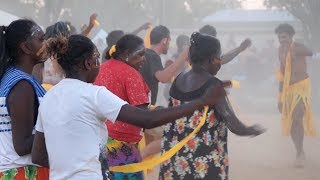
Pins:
<point x="71" y="132"/>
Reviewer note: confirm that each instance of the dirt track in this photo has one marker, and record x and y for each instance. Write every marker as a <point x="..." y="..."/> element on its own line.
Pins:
<point x="271" y="156"/>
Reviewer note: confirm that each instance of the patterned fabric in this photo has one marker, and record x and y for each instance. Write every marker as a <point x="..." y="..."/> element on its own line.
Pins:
<point x="26" y="173"/>
<point x="12" y="76"/>
<point x="120" y="153"/>
<point x="204" y="157"/>
<point x="127" y="83"/>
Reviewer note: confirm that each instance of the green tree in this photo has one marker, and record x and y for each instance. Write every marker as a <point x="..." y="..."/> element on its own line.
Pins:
<point x="307" y="11"/>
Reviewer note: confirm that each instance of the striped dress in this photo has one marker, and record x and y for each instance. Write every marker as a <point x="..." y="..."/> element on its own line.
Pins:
<point x="13" y="166"/>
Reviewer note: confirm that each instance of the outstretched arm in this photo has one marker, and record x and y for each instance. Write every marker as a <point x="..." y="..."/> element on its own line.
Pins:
<point x="150" y="119"/>
<point x="166" y="74"/>
<point x="88" y="29"/>
<point x="224" y="111"/>
<point x="230" y="55"/>
<point x="141" y="28"/>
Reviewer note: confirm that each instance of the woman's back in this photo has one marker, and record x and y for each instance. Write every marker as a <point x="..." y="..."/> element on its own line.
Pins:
<point x="205" y="156"/>
<point x="191" y="81"/>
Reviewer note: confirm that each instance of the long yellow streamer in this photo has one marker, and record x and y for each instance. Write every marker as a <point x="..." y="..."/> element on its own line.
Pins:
<point x="150" y="163"/>
<point x="147" y="42"/>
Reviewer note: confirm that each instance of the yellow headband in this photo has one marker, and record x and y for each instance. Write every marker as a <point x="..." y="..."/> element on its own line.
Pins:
<point x="112" y="50"/>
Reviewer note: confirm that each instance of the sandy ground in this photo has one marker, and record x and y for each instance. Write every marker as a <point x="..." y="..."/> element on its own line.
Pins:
<point x="269" y="156"/>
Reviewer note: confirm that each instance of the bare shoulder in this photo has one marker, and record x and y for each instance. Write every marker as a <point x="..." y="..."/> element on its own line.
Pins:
<point x="22" y="89"/>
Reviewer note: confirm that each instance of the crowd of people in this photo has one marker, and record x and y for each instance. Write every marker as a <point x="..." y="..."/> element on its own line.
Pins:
<point x="69" y="112"/>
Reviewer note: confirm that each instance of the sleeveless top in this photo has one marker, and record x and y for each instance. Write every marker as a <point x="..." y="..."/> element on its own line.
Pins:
<point x="9" y="159"/>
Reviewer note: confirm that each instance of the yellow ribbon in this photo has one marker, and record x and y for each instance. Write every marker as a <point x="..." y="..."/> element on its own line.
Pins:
<point x="96" y="22"/>
<point x="47" y="87"/>
<point x="152" y="107"/>
<point x="147" y="42"/>
<point x="150" y="163"/>
<point x="112" y="50"/>
<point x="235" y="84"/>
<point x="286" y="76"/>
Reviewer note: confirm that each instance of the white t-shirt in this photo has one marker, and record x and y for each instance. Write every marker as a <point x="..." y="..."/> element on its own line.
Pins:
<point x="72" y="117"/>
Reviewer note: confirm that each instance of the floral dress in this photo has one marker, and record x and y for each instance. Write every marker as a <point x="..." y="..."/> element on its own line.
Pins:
<point x="205" y="156"/>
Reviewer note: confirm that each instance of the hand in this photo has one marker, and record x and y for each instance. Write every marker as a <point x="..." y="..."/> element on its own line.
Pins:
<point x="245" y="44"/>
<point x="213" y="94"/>
<point x="227" y="84"/>
<point x="256" y="130"/>
<point x="168" y="63"/>
<point x="93" y="18"/>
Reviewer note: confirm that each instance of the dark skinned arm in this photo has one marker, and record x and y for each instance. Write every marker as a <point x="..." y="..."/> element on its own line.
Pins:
<point x="141" y="28"/>
<point x="165" y="75"/>
<point x="21" y="103"/>
<point x="224" y="111"/>
<point x="39" y="150"/>
<point x="143" y="106"/>
<point x="230" y="55"/>
<point x="88" y="29"/>
<point x="150" y="119"/>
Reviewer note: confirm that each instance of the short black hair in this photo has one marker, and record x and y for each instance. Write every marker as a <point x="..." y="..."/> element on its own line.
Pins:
<point x="158" y="33"/>
<point x="10" y="39"/>
<point x="203" y="47"/>
<point x="73" y="30"/>
<point x="285" y="28"/>
<point x="70" y="52"/>
<point x="113" y="37"/>
<point x="209" y="30"/>
<point x="128" y="42"/>
<point x="58" y="29"/>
